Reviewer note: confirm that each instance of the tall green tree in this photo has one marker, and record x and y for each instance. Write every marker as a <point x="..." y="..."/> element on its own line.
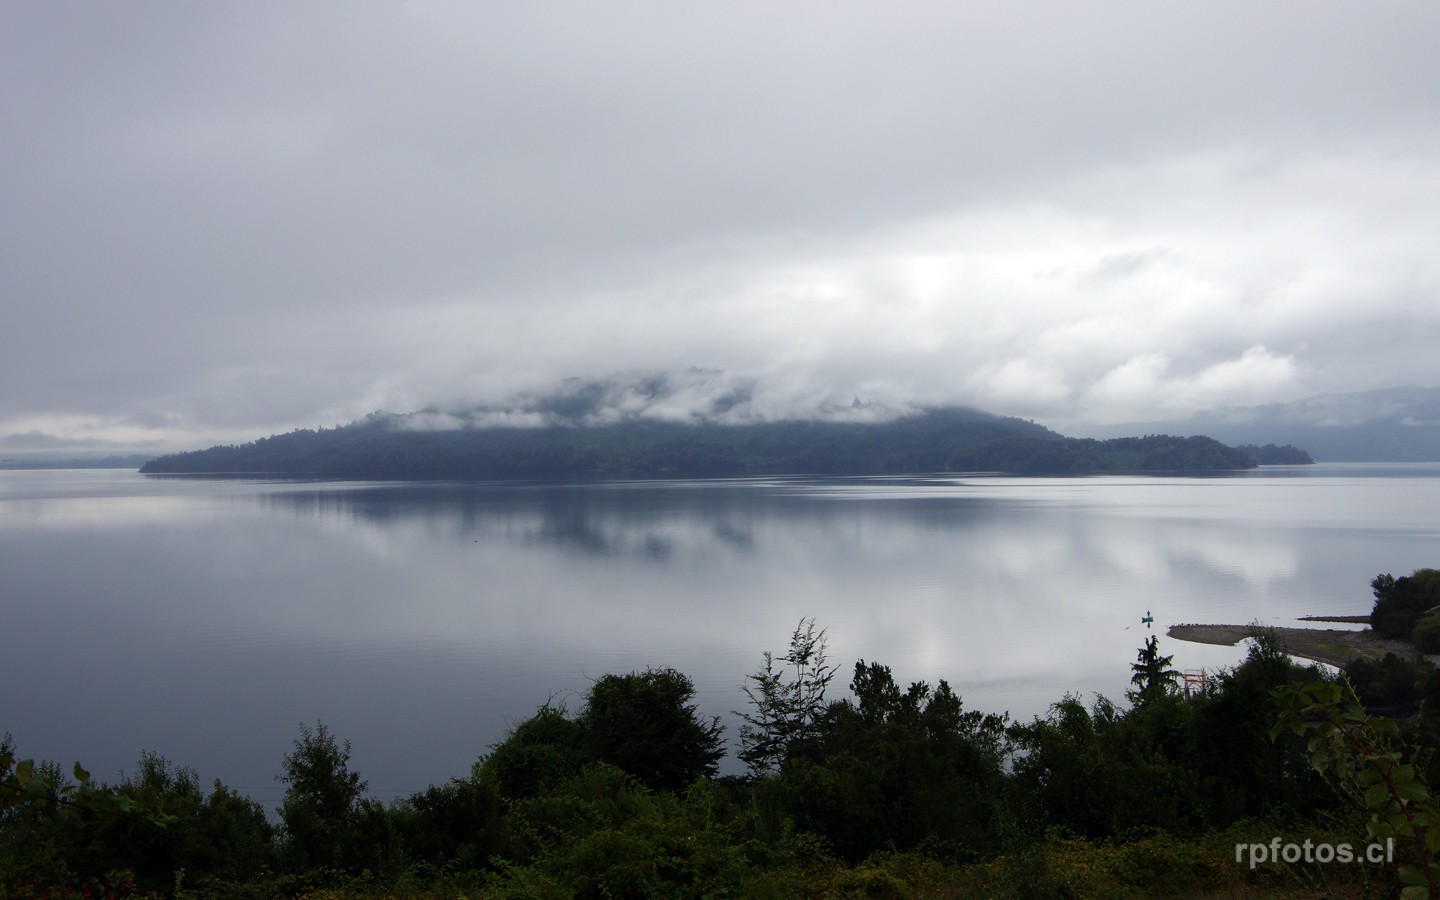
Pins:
<point x="787" y="702"/>
<point x="1151" y="674"/>
<point x="322" y="800"/>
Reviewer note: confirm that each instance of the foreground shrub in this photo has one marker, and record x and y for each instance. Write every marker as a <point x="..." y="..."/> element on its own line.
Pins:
<point x="891" y="770"/>
<point x="604" y="833"/>
<point x="541" y="751"/>
<point x="645" y="724"/>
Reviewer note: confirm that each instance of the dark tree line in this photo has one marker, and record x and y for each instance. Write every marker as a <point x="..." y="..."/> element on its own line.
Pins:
<point x="621" y="797"/>
<point x="1271" y="455"/>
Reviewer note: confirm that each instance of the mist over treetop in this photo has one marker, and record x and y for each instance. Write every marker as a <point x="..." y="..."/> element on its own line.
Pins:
<point x="691" y="396"/>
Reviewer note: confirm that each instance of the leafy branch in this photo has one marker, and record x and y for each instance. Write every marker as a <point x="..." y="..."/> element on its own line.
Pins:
<point x="1358" y="750"/>
<point x="22" y="783"/>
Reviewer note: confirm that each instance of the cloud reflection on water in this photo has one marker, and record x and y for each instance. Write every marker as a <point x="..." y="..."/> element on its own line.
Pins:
<point x="205" y="620"/>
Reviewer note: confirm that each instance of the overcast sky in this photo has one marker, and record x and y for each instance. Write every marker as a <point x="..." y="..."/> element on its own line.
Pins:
<point x="224" y="220"/>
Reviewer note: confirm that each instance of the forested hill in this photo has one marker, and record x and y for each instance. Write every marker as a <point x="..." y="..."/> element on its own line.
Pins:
<point x="951" y="439"/>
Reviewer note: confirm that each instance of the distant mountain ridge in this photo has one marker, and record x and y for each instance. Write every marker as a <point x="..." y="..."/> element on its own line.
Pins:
<point x="944" y="439"/>
<point x="1389" y="425"/>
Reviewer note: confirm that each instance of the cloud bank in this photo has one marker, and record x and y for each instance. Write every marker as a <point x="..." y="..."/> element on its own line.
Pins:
<point x="224" y="220"/>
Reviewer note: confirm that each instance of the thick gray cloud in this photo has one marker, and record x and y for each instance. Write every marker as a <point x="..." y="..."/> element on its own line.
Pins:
<point x="225" y="219"/>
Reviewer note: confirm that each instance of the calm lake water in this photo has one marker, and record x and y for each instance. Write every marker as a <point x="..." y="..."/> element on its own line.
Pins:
<point x="206" y="619"/>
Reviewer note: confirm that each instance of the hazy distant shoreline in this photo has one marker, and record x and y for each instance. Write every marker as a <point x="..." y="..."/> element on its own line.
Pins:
<point x="131" y="461"/>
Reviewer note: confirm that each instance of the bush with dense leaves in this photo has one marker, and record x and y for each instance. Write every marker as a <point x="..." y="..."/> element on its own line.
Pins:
<point x="85" y="844"/>
<point x="893" y="769"/>
<point x="1170" y="763"/>
<point x="541" y="750"/>
<point x="644" y="723"/>
<point x="1400" y="603"/>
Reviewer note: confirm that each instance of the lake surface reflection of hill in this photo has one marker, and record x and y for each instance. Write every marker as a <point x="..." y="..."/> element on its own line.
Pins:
<point x="205" y="619"/>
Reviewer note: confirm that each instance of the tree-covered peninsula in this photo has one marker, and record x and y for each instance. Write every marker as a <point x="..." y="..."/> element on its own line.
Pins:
<point x="1271" y="455"/>
<point x="949" y="439"/>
